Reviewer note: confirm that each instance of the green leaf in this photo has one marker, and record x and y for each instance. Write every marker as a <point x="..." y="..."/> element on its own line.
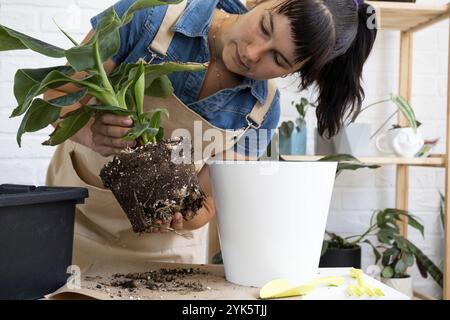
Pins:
<point x="39" y="115"/>
<point x="400" y="267"/>
<point x="389" y="255"/>
<point x="409" y="259"/>
<point x="112" y="109"/>
<point x="154" y="71"/>
<point x="26" y="79"/>
<point x="66" y="34"/>
<point x="82" y="57"/>
<point x="13" y="40"/>
<point x="385" y="236"/>
<point x="121" y="94"/>
<point x="161" y="87"/>
<point x="160" y="135"/>
<point x="286" y="128"/>
<point x="143" y="4"/>
<point x="139" y="88"/>
<point x="341" y="157"/>
<point x="405" y="109"/>
<point x="413" y="222"/>
<point x="71" y="124"/>
<point x="441" y="209"/>
<point x="376" y="253"/>
<point x="424" y="262"/>
<point x="52" y="80"/>
<point x="137" y="131"/>
<point x="347" y="162"/>
<point x="217" y="259"/>
<point x="387" y="272"/>
<point x="68" y="99"/>
<point x="155" y="121"/>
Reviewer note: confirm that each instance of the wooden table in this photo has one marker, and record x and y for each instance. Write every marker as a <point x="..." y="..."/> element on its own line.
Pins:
<point x="95" y="283"/>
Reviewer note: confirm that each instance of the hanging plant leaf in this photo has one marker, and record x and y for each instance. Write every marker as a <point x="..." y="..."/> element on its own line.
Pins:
<point x="425" y="265"/>
<point x="375" y="251"/>
<point x="66" y="34"/>
<point x="39" y="116"/>
<point x="137" y="131"/>
<point x="52" y="80"/>
<point x="286" y="128"/>
<point x="161" y="87"/>
<point x="107" y="35"/>
<point x="400" y="268"/>
<point x="14" y="40"/>
<point x="387" y="272"/>
<point x="26" y="79"/>
<point x="68" y="99"/>
<point x="139" y="88"/>
<point x="113" y="109"/>
<point x="70" y="125"/>
<point x="405" y="109"/>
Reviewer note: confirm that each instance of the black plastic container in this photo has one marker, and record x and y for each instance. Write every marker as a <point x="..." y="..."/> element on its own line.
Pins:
<point x="334" y="258"/>
<point x="36" y="238"/>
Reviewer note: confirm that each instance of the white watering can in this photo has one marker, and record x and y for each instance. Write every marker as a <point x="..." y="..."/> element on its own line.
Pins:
<point x="271" y="218"/>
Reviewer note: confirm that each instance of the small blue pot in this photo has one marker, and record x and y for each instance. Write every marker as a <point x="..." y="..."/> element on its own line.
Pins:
<point x="295" y="144"/>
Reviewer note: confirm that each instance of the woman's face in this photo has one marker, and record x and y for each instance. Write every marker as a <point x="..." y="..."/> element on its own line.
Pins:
<point x="259" y="44"/>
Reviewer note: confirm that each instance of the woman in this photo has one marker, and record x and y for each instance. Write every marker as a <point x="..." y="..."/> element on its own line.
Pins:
<point x="325" y="41"/>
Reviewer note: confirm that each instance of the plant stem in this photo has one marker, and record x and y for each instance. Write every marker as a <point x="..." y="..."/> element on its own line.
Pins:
<point x="368" y="231"/>
<point x="110" y="96"/>
<point x="384" y="123"/>
<point x="372" y="104"/>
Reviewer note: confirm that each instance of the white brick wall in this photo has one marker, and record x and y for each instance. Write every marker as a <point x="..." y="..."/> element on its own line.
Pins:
<point x="356" y="194"/>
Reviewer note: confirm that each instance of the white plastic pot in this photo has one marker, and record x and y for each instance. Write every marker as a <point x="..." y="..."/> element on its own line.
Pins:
<point x="271" y="218"/>
<point x="404" y="285"/>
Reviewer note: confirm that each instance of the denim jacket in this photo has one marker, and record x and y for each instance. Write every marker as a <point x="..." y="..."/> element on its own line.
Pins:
<point x="226" y="108"/>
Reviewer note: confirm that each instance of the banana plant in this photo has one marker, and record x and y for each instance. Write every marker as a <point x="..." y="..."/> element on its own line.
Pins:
<point x="121" y="92"/>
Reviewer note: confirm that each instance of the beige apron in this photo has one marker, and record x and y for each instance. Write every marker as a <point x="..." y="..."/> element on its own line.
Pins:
<point x="102" y="229"/>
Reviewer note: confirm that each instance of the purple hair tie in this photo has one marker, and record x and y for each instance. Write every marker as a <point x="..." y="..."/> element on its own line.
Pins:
<point x="356" y="2"/>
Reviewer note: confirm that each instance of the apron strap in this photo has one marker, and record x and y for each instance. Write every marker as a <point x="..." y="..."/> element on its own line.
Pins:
<point x="256" y="117"/>
<point x="162" y="40"/>
<point x="161" y="43"/>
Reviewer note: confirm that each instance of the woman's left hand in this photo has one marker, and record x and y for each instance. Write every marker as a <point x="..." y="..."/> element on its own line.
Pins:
<point x="176" y="223"/>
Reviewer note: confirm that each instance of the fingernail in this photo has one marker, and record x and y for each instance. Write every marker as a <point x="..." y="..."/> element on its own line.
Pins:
<point x="127" y="122"/>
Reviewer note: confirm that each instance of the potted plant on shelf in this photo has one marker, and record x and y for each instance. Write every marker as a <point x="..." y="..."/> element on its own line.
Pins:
<point x="354" y="138"/>
<point x="131" y="174"/>
<point x="397" y="253"/>
<point x="293" y="137"/>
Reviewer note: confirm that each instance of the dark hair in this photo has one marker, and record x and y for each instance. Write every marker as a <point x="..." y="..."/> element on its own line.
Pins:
<point x="334" y="40"/>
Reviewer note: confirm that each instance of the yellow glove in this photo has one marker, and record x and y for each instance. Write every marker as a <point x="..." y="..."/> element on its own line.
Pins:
<point x="360" y="288"/>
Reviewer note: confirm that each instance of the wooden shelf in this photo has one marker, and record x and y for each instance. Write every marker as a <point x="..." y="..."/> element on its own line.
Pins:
<point x="437" y="160"/>
<point x="408" y="16"/>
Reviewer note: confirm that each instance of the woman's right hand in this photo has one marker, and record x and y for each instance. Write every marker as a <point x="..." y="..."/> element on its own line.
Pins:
<point x="107" y="132"/>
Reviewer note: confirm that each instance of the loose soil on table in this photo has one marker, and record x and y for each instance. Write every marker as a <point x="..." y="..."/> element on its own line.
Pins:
<point x="135" y="285"/>
<point x="149" y="186"/>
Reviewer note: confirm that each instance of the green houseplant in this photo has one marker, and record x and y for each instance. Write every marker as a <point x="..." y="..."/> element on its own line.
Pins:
<point x="292" y="139"/>
<point x="396" y="253"/>
<point x="121" y="92"/>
